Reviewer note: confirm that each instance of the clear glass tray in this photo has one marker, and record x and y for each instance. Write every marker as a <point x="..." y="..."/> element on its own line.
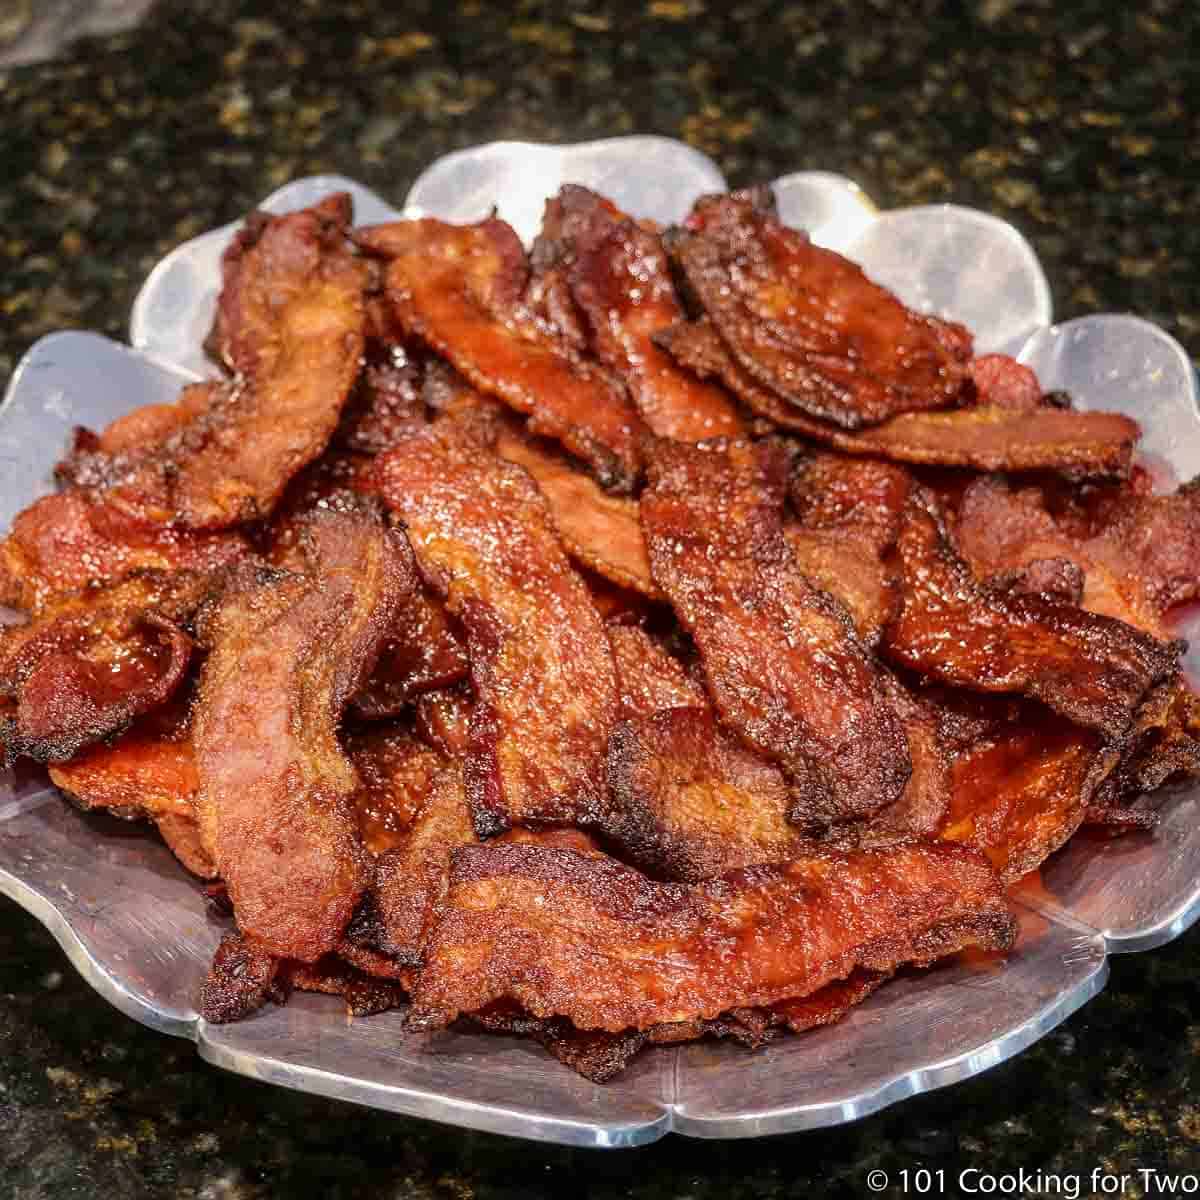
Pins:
<point x="138" y="928"/>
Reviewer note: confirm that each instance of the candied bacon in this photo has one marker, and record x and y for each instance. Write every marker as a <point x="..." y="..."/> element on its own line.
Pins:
<point x="410" y="878"/>
<point x="240" y="980"/>
<point x="847" y="515"/>
<point x="689" y="801"/>
<point x="276" y="798"/>
<point x="458" y="289"/>
<point x="587" y="938"/>
<point x="541" y="666"/>
<point x="599" y="530"/>
<point x="1091" y="669"/>
<point x="1018" y="795"/>
<point x="395" y="771"/>
<point x="648" y="678"/>
<point x="91" y="662"/>
<point x="618" y="278"/>
<point x="1002" y="382"/>
<point x="986" y="438"/>
<point x="782" y="660"/>
<point x="290" y="324"/>
<point x="1137" y="556"/>
<point x="67" y="541"/>
<point x="808" y="324"/>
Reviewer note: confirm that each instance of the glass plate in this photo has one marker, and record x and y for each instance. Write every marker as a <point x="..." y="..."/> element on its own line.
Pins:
<point x="139" y="930"/>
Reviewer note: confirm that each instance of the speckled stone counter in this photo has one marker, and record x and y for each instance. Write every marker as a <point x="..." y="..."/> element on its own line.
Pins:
<point x="1077" y="121"/>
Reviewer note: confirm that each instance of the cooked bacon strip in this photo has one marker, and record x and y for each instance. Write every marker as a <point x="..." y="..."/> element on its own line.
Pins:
<point x="599" y="530"/>
<point x="91" y="662"/>
<point x="783" y="663"/>
<point x="290" y="325"/>
<point x="149" y="771"/>
<point x="70" y="540"/>
<point x="1163" y="747"/>
<point x="619" y="279"/>
<point x="240" y="980"/>
<point x="458" y="289"/>
<point x="1018" y="795"/>
<point x="573" y="935"/>
<point x="594" y="1054"/>
<point x="831" y="1003"/>
<point x="411" y="878"/>
<point x="690" y="802"/>
<point x="648" y="678"/>
<point x="1091" y="669"/>
<point x="150" y="768"/>
<point x="365" y="994"/>
<point x="1002" y="382"/>
<point x="541" y="665"/>
<point x="396" y="773"/>
<point x="986" y="438"/>
<point x="388" y="401"/>
<point x="1137" y="557"/>
<point x="423" y="653"/>
<point x="847" y="516"/>
<point x="808" y="324"/>
<point x="276" y="797"/>
<point x="443" y="720"/>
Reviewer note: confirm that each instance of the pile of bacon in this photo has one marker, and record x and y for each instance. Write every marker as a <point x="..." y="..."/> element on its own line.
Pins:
<point x="663" y="635"/>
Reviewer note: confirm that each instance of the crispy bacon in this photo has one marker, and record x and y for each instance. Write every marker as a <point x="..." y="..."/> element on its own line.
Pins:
<point x="240" y="980"/>
<point x="541" y="665"/>
<point x="1002" y="382"/>
<point x="619" y="280"/>
<point x="388" y="401"/>
<point x="690" y="802"/>
<point x="149" y="771"/>
<point x="578" y="936"/>
<point x="1018" y="795"/>
<point x="1091" y="669"/>
<point x="1136" y="556"/>
<point x="458" y="289"/>
<point x="831" y="1003"/>
<point x="648" y="678"/>
<point x="987" y="438"/>
<point x="600" y="531"/>
<point x="410" y="879"/>
<point x="847" y="516"/>
<point x="290" y="325"/>
<point x="70" y="540"/>
<point x="782" y="660"/>
<point x="365" y="994"/>
<point x="91" y="662"/>
<point x="423" y="653"/>
<point x="594" y="1054"/>
<point x="808" y="324"/>
<point x="287" y="653"/>
<point x="1163" y="747"/>
<point x="396" y="772"/>
<point x="443" y="720"/>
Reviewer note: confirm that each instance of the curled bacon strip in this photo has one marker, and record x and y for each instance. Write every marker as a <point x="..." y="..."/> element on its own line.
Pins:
<point x="458" y="289"/>
<point x="1091" y="669"/>
<point x="783" y="663"/>
<point x="618" y="277"/>
<point x="287" y="653"/>
<point x="808" y="324"/>
<point x="541" y="666"/>
<point x="584" y="937"/>
<point x="1080" y="445"/>
<point x="89" y="663"/>
<point x="290" y="324"/>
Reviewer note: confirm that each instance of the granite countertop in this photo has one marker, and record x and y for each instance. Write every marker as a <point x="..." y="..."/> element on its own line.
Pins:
<point x="1076" y="121"/>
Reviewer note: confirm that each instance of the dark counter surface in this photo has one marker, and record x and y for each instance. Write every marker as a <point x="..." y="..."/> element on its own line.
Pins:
<point x="1076" y="121"/>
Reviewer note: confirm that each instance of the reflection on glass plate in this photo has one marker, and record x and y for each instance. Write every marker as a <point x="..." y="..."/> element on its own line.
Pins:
<point x="139" y="930"/>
